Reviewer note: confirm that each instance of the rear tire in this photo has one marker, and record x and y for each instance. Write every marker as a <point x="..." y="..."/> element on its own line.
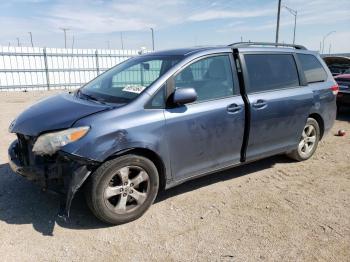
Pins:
<point x="121" y="190"/>
<point x="308" y="141"/>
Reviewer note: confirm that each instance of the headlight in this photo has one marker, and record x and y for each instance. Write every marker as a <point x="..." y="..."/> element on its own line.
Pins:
<point x="50" y="143"/>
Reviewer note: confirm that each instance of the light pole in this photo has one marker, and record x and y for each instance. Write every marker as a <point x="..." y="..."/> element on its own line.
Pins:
<point x="31" y="38"/>
<point x="295" y="13"/>
<point x="324" y="38"/>
<point x="65" y="36"/>
<point x="121" y="40"/>
<point x="152" y="38"/>
<point x="278" y="20"/>
<point x="18" y="43"/>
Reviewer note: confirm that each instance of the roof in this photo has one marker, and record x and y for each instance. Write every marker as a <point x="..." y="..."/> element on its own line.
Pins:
<point x="193" y="50"/>
<point x="185" y="51"/>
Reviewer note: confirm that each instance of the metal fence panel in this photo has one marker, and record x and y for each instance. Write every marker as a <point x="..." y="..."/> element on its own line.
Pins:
<point x="34" y="68"/>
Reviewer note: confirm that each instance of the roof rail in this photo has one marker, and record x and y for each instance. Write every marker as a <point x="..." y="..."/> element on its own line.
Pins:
<point x="246" y="44"/>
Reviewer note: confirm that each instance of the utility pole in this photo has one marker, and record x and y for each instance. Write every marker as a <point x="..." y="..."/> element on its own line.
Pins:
<point x="31" y="38"/>
<point x="295" y="13"/>
<point x="18" y="43"/>
<point x="65" y="35"/>
<point x="278" y="20"/>
<point x="121" y="40"/>
<point x="152" y="30"/>
<point x="324" y="38"/>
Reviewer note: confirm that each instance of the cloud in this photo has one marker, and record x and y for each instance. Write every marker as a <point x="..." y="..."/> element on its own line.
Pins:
<point x="112" y="17"/>
<point x="222" y="14"/>
<point x="312" y="13"/>
<point x="176" y="22"/>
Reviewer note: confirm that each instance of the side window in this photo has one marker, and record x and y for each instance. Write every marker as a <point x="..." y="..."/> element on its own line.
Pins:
<point x="313" y="69"/>
<point x="211" y="77"/>
<point x="271" y="71"/>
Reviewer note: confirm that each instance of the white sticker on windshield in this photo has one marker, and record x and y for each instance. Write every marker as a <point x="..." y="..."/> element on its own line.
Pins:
<point x="133" y="89"/>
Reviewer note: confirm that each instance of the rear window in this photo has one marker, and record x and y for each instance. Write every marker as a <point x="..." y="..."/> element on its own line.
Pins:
<point x="271" y="71"/>
<point x="313" y="69"/>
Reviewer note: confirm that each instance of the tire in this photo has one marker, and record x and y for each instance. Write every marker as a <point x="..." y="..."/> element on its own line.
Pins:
<point x="308" y="141"/>
<point x="121" y="190"/>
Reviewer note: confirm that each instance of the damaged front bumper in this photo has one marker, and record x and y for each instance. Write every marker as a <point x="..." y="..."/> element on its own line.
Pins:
<point x="62" y="173"/>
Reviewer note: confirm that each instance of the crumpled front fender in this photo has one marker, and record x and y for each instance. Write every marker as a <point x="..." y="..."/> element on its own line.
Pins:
<point x="62" y="173"/>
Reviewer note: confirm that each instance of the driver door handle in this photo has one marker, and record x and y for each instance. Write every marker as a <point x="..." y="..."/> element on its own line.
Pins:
<point x="260" y="104"/>
<point x="233" y="108"/>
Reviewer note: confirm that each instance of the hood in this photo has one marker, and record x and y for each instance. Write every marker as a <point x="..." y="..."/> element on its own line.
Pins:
<point x="53" y="113"/>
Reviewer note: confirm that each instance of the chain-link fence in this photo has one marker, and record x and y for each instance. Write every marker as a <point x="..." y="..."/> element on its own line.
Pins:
<point x="33" y="68"/>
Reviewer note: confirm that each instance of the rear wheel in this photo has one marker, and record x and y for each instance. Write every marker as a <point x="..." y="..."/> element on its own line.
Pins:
<point x="121" y="190"/>
<point x="308" y="141"/>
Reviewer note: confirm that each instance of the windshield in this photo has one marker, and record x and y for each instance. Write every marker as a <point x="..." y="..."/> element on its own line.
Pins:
<point x="126" y="81"/>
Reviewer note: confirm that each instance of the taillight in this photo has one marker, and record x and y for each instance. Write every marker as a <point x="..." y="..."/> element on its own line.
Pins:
<point x="335" y="89"/>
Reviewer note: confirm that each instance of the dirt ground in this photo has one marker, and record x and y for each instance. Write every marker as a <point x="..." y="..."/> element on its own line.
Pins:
<point x="270" y="210"/>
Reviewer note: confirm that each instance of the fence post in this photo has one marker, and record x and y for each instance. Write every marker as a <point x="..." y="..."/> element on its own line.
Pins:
<point x="97" y="65"/>
<point x="46" y="69"/>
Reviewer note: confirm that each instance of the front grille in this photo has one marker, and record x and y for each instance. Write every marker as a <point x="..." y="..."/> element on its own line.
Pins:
<point x="25" y="153"/>
<point x="22" y="150"/>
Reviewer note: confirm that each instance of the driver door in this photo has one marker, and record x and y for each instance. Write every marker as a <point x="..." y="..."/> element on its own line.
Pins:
<point x="206" y="135"/>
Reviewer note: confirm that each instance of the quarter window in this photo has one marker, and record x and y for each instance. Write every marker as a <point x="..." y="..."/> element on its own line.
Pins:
<point x="271" y="71"/>
<point x="313" y="69"/>
<point x="211" y="77"/>
<point x="158" y="100"/>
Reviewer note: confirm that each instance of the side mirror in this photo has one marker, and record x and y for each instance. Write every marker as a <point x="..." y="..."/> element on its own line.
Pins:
<point x="183" y="96"/>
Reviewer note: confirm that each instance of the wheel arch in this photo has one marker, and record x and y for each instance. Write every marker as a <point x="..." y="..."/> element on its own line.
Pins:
<point x="320" y="122"/>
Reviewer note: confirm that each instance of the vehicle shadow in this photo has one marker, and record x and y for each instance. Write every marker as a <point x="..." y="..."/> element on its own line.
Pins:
<point x="21" y="202"/>
<point x="344" y="114"/>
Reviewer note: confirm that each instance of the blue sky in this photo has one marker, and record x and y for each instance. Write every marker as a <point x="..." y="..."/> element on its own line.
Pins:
<point x="177" y="23"/>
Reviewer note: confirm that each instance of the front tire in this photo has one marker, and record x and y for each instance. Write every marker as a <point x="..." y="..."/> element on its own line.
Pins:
<point x="121" y="190"/>
<point x="308" y="141"/>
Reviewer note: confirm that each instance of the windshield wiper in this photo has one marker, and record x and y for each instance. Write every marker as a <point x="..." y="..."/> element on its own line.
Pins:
<point x="90" y="97"/>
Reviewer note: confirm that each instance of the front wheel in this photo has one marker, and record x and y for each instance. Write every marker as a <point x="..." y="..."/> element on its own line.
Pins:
<point x="122" y="189"/>
<point x="308" y="141"/>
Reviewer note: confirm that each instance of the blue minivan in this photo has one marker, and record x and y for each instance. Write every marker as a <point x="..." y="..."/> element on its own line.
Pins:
<point x="162" y="118"/>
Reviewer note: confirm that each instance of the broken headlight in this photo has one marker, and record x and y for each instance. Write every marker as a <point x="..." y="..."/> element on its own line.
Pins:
<point x="50" y="143"/>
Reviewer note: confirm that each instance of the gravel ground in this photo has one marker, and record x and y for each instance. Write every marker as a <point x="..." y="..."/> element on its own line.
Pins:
<point x="270" y="210"/>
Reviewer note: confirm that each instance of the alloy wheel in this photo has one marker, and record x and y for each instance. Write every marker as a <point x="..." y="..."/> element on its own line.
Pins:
<point x="127" y="190"/>
<point x="308" y="140"/>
